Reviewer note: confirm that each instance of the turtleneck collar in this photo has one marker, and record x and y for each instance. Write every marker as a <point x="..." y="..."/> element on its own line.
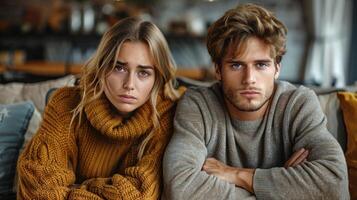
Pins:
<point x="105" y="118"/>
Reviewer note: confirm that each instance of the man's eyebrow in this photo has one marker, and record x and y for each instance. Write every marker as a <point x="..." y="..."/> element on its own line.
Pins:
<point x="263" y="60"/>
<point x="235" y="61"/>
<point x="242" y="62"/>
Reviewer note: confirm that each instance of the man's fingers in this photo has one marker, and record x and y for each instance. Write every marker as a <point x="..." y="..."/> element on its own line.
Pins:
<point x="295" y="157"/>
<point x="300" y="159"/>
<point x="220" y="170"/>
<point x="209" y="164"/>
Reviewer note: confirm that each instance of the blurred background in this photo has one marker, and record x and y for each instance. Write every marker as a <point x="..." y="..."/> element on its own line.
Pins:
<point x="45" y="39"/>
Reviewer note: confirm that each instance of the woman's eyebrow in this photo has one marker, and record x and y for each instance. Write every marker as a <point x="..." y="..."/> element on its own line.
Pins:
<point x="139" y="66"/>
<point x="146" y="67"/>
<point x="121" y="63"/>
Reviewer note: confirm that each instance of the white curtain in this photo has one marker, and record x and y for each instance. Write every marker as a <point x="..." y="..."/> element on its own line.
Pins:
<point x="329" y="25"/>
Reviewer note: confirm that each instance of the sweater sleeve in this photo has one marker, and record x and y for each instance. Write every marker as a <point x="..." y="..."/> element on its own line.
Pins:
<point x="141" y="181"/>
<point x="185" y="155"/>
<point x="46" y="166"/>
<point x="323" y="175"/>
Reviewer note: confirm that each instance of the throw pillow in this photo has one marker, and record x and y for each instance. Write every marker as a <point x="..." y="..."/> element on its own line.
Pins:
<point x="14" y="120"/>
<point x="330" y="105"/>
<point x="36" y="92"/>
<point x="32" y="128"/>
<point x="348" y="102"/>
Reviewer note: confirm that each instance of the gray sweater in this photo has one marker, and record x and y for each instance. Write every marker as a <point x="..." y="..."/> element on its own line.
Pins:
<point x="203" y="128"/>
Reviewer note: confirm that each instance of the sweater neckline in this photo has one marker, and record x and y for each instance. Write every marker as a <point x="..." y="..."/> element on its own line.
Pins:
<point x="246" y="126"/>
<point x="105" y="118"/>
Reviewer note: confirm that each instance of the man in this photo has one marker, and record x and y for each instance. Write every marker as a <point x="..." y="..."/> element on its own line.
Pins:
<point x="249" y="135"/>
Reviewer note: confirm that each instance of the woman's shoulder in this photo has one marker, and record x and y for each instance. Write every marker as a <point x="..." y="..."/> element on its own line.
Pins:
<point x="65" y="98"/>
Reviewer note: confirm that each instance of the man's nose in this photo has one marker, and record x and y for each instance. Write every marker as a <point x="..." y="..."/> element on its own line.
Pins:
<point x="249" y="75"/>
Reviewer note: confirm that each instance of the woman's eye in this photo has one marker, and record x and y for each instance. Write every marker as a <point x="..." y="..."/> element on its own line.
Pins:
<point x="144" y="74"/>
<point x="119" y="68"/>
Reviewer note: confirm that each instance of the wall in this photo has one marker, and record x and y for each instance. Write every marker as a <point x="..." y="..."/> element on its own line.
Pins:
<point x="189" y="49"/>
<point x="352" y="70"/>
<point x="203" y="13"/>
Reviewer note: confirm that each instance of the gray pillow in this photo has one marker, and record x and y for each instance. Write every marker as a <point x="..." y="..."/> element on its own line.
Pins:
<point x="330" y="105"/>
<point x="36" y="92"/>
<point x="14" y="120"/>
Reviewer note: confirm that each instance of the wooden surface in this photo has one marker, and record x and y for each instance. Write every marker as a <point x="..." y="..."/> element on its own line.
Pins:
<point x="2" y="69"/>
<point x="42" y="68"/>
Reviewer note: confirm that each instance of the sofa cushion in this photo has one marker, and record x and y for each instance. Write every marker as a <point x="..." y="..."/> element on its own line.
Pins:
<point x="36" y="92"/>
<point x="330" y="105"/>
<point x="14" y="120"/>
<point x="32" y="128"/>
<point x="348" y="102"/>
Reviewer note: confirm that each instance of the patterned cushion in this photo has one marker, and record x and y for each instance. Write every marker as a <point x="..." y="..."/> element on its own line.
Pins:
<point x="14" y="120"/>
<point x="349" y="109"/>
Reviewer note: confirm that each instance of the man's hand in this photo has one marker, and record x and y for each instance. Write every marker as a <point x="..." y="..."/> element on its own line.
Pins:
<point x="297" y="158"/>
<point x="241" y="177"/>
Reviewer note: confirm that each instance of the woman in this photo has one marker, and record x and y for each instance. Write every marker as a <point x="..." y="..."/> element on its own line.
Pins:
<point x="105" y="138"/>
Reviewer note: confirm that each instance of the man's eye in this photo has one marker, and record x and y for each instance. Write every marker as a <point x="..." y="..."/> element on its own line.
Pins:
<point x="236" y="66"/>
<point x="262" y="65"/>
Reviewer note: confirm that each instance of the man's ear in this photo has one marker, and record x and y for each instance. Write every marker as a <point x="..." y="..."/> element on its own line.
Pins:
<point x="218" y="72"/>
<point x="277" y="71"/>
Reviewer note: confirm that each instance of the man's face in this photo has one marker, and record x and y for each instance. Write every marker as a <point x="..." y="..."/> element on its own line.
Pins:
<point x="248" y="79"/>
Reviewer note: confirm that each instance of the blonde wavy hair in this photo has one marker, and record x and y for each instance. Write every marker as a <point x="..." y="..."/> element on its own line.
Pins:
<point x="103" y="61"/>
<point x="239" y="24"/>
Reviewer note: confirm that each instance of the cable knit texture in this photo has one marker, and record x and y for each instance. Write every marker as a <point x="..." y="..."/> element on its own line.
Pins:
<point x="99" y="157"/>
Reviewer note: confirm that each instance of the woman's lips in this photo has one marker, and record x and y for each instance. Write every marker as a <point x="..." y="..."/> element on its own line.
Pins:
<point x="127" y="99"/>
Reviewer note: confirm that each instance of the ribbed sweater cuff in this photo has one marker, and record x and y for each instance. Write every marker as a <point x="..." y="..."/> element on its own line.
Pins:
<point x="82" y="194"/>
<point x="262" y="183"/>
<point x="130" y="191"/>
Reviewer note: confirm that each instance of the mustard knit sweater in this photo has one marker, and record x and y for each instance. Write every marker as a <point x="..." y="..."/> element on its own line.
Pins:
<point x="99" y="157"/>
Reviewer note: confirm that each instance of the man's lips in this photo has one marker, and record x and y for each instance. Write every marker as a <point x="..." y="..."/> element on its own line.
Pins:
<point x="249" y="93"/>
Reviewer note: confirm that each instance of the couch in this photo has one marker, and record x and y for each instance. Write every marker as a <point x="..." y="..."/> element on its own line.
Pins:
<point x="24" y="104"/>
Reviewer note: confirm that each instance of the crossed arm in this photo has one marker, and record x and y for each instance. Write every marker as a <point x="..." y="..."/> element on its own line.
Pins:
<point x="190" y="174"/>
<point x="45" y="172"/>
<point x="48" y="164"/>
<point x="243" y="177"/>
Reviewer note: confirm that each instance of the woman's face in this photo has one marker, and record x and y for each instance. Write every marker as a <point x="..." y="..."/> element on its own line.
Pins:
<point x="129" y="85"/>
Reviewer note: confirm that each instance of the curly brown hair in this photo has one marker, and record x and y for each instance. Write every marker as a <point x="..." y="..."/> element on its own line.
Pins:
<point x="239" y="24"/>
